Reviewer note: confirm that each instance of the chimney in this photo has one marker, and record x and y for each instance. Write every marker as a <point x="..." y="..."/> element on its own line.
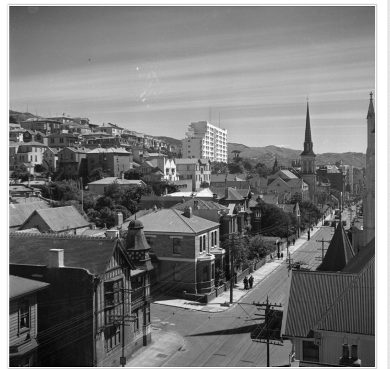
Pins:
<point x="188" y="212"/>
<point x="345" y="358"/>
<point x="92" y="226"/>
<point x="226" y="192"/>
<point x="56" y="258"/>
<point x="118" y="219"/>
<point x="215" y="197"/>
<point x="123" y="175"/>
<point x="196" y="205"/>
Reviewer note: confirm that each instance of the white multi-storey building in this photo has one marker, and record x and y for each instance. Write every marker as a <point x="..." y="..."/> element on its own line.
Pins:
<point x="205" y="141"/>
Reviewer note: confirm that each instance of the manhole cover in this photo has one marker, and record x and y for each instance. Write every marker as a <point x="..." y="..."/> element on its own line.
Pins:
<point x="161" y="355"/>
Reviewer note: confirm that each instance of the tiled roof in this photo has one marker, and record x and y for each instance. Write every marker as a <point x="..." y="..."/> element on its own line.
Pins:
<point x="22" y="286"/>
<point x="18" y="213"/>
<point x="287" y="173"/>
<point x="173" y="221"/>
<point x="353" y="311"/>
<point x="339" y="251"/>
<point x="91" y="253"/>
<point x="110" y="180"/>
<point x="59" y="219"/>
<point x="310" y="295"/>
<point x="358" y="262"/>
<point x="202" y="204"/>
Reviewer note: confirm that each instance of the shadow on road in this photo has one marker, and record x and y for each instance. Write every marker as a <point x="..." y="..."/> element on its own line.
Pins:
<point x="238" y="330"/>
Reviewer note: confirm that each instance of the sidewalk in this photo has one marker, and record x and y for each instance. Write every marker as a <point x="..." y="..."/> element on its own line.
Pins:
<point x="165" y="344"/>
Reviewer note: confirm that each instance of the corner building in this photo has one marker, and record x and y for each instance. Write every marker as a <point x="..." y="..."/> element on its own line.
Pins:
<point x="205" y="141"/>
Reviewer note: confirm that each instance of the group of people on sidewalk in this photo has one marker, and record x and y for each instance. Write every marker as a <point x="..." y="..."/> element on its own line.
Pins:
<point x="248" y="282"/>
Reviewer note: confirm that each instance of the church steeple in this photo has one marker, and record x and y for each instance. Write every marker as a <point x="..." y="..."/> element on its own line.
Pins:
<point x="308" y="144"/>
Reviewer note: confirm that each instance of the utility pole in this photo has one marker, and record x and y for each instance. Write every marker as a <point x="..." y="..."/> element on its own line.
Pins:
<point x="259" y="337"/>
<point x="232" y="276"/>
<point x="322" y="247"/>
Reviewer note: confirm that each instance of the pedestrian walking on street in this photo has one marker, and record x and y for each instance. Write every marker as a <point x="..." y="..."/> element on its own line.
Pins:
<point x="246" y="283"/>
<point x="251" y="281"/>
<point x="293" y="241"/>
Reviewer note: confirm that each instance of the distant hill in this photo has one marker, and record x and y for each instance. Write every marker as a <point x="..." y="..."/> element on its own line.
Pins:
<point x="267" y="154"/>
<point x="20" y="117"/>
<point x="170" y="140"/>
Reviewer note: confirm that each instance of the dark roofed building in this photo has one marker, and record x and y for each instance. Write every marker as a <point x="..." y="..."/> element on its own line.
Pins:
<point x="62" y="219"/>
<point x="94" y="277"/>
<point x="339" y="252"/>
<point x="18" y="213"/>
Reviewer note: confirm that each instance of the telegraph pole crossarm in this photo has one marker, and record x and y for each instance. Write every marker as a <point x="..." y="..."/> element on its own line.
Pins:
<point x="322" y="247"/>
<point x="268" y="308"/>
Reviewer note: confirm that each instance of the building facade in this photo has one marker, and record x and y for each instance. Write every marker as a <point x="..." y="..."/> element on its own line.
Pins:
<point x="112" y="161"/>
<point x="205" y="140"/>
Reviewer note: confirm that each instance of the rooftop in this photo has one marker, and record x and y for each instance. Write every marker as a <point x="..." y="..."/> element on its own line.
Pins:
<point x="18" y="213"/>
<point x="19" y="287"/>
<point x="110" y="180"/>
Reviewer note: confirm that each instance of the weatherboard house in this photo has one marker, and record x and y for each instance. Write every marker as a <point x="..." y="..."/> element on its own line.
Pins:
<point x="96" y="309"/>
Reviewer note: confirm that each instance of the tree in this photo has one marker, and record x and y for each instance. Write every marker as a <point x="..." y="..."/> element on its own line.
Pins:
<point x="12" y="120"/>
<point x="97" y="174"/>
<point x="235" y="168"/>
<point x="274" y="221"/>
<point x="218" y="167"/>
<point x="132" y="174"/>
<point x="20" y="172"/>
<point x="161" y="188"/>
<point x="262" y="170"/>
<point x="204" y="184"/>
<point x="259" y="248"/>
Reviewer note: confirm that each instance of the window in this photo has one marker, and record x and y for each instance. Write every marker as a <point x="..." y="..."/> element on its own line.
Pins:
<point x="71" y="156"/>
<point x="176" y="246"/>
<point x="113" y="308"/>
<point x="167" y="171"/>
<point x="212" y="271"/>
<point x="52" y="140"/>
<point x="136" y="320"/>
<point x="205" y="274"/>
<point x="24" y="315"/>
<point x="61" y="140"/>
<point x="310" y="351"/>
<point x="204" y="243"/>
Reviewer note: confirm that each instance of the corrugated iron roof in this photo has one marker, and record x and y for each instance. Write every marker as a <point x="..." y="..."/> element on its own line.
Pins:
<point x="311" y="294"/>
<point x="59" y="219"/>
<point x="90" y="253"/>
<point x="18" y="213"/>
<point x="22" y="286"/>
<point x="354" y="310"/>
<point x="173" y="221"/>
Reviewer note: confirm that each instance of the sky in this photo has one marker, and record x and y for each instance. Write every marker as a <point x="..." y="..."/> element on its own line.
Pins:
<point x="249" y="69"/>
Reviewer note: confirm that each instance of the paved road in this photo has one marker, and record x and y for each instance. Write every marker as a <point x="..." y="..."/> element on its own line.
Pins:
<point x="223" y="339"/>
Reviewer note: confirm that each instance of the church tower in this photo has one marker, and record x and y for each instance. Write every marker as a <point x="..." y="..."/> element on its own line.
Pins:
<point x="308" y="160"/>
<point x="369" y="196"/>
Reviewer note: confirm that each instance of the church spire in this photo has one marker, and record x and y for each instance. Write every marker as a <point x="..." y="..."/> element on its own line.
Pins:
<point x="308" y="144"/>
<point x="371" y="112"/>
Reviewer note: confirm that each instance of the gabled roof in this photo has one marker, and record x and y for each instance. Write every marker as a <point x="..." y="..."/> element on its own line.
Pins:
<point x="59" y="219"/>
<point x="18" y="213"/>
<point x="297" y="182"/>
<point x="358" y="262"/>
<point x="202" y="204"/>
<point x="19" y="287"/>
<point x="270" y="198"/>
<point x="174" y="221"/>
<point x="90" y="253"/>
<point x="339" y="251"/>
<point x="120" y="181"/>
<point x="233" y="194"/>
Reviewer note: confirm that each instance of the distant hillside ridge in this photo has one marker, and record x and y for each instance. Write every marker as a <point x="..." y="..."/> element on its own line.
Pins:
<point x="170" y="140"/>
<point x="267" y="155"/>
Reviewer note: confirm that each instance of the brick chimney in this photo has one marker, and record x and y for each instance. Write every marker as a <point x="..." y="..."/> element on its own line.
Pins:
<point x="56" y="258"/>
<point x="196" y="205"/>
<point x="215" y="197"/>
<point x="118" y="219"/>
<point x="188" y="212"/>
